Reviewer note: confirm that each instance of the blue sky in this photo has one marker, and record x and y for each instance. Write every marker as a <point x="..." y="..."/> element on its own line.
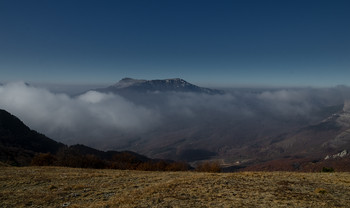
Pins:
<point x="211" y="43"/>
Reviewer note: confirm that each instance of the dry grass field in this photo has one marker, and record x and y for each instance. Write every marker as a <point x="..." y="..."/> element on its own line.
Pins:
<point x="70" y="187"/>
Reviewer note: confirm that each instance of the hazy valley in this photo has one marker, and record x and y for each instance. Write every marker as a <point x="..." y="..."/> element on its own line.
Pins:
<point x="174" y="119"/>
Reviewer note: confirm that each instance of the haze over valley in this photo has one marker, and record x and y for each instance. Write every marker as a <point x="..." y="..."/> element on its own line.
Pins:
<point x="174" y="119"/>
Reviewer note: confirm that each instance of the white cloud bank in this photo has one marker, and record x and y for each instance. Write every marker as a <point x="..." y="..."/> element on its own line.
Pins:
<point x="92" y="115"/>
<point x="96" y="117"/>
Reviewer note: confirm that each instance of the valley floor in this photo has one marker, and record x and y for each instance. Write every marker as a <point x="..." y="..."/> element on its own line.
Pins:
<point x="70" y="187"/>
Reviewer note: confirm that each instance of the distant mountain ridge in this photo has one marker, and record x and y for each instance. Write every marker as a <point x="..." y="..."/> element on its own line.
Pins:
<point x="164" y="85"/>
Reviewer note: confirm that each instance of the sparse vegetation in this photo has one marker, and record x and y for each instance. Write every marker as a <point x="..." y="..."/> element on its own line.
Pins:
<point x="208" y="166"/>
<point x="327" y="170"/>
<point x="122" y="161"/>
<point x="44" y="159"/>
<point x="75" y="187"/>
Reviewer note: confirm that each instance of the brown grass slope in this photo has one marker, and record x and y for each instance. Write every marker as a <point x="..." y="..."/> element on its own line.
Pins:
<point x="69" y="187"/>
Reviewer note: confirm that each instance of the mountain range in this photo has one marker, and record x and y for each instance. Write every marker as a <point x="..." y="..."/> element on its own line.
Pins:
<point x="128" y="85"/>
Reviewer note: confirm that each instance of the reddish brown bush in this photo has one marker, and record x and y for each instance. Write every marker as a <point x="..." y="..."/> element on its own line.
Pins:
<point x="177" y="166"/>
<point x="213" y="167"/>
<point x="43" y="159"/>
<point x="163" y="166"/>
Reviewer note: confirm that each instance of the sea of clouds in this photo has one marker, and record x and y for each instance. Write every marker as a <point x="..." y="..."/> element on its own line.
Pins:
<point x="100" y="117"/>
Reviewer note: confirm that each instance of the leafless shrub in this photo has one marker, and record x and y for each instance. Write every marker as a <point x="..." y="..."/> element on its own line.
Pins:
<point x="43" y="159"/>
<point x="213" y="167"/>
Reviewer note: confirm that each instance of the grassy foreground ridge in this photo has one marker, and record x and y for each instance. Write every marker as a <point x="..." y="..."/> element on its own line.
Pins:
<point x="73" y="187"/>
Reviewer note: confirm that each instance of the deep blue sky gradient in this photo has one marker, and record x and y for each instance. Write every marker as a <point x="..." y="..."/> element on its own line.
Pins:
<point x="213" y="43"/>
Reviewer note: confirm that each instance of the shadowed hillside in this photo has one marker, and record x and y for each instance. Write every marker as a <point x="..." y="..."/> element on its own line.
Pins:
<point x="18" y="143"/>
<point x="21" y="146"/>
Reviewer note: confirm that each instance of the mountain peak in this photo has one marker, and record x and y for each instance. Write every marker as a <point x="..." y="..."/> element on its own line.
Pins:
<point x="158" y="85"/>
<point x="176" y="79"/>
<point x="128" y="79"/>
<point x="127" y="82"/>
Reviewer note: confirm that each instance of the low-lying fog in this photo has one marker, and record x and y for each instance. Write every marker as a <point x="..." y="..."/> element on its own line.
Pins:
<point x="95" y="117"/>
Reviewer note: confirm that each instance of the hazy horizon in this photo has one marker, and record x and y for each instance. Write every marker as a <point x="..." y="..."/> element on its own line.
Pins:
<point x="81" y="87"/>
